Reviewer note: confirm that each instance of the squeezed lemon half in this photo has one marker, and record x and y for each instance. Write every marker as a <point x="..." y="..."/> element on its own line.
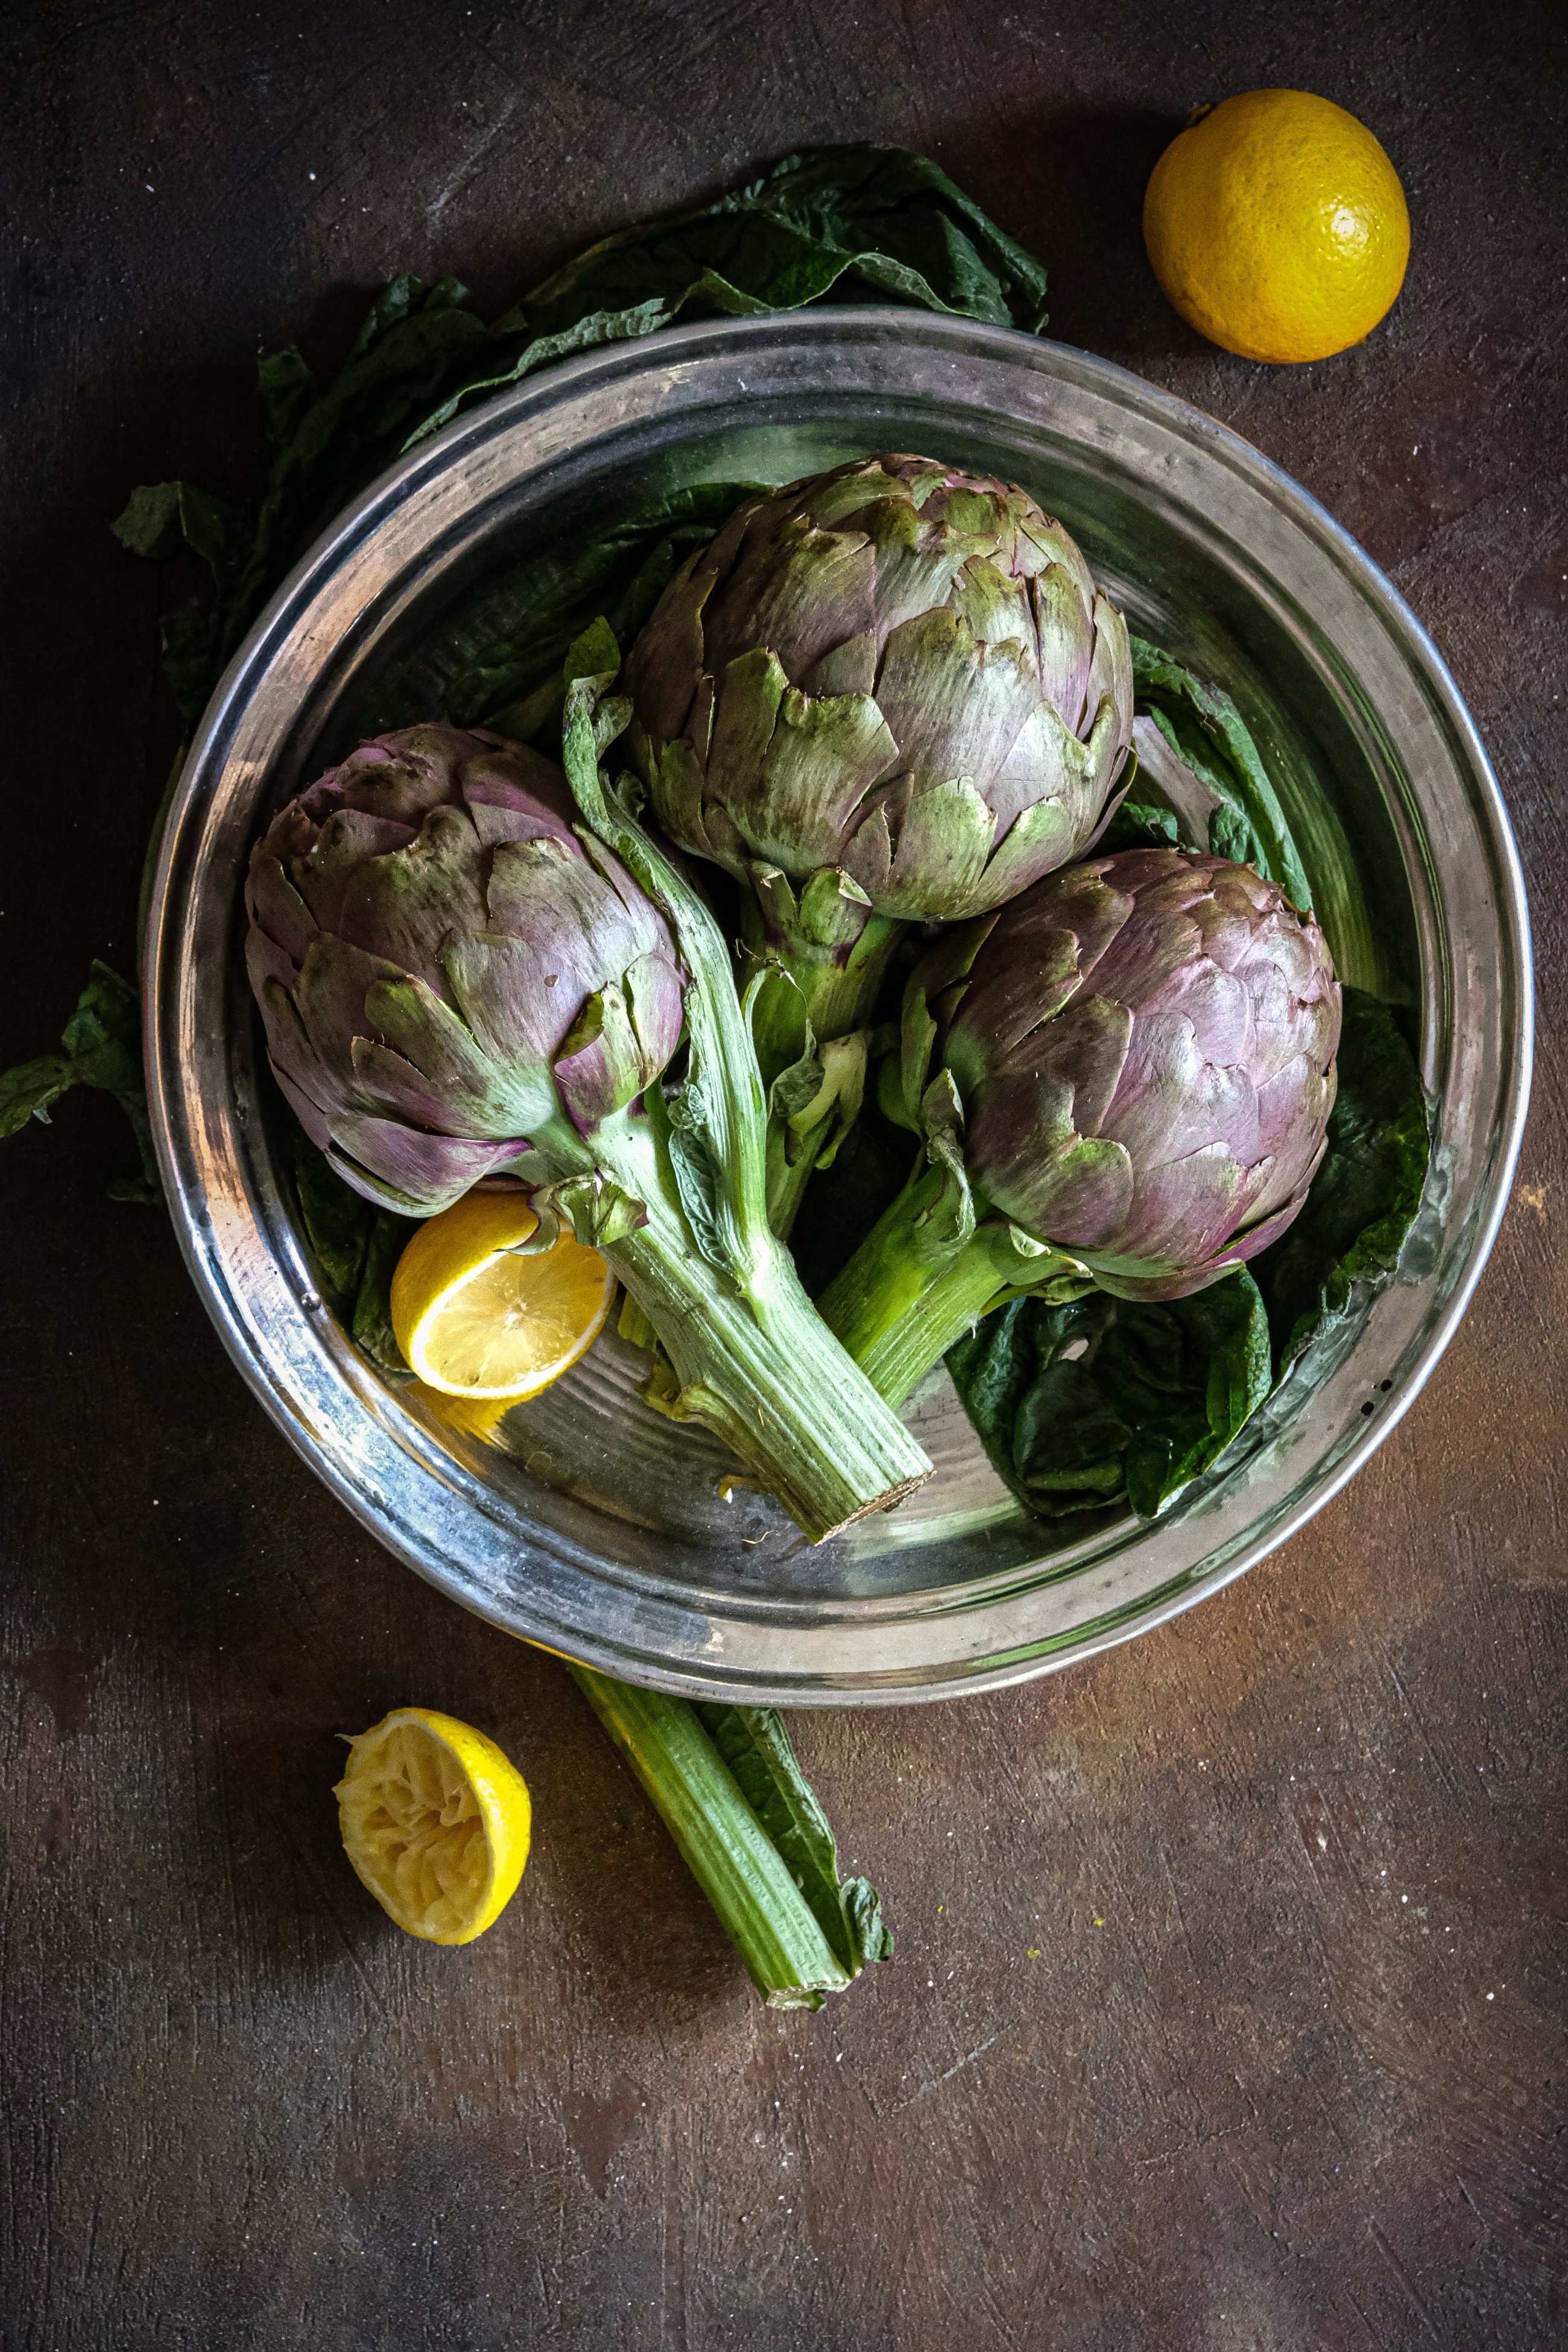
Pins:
<point x="474" y="1320"/>
<point x="436" y="1822"/>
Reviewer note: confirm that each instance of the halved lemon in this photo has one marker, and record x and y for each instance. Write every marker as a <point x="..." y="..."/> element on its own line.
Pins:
<point x="474" y="1320"/>
<point x="436" y="1821"/>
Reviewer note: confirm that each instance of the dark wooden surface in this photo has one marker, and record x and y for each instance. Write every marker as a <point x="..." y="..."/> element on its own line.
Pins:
<point x="1229" y="2004"/>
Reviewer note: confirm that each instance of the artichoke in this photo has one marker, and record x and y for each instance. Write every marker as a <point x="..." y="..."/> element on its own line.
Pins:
<point x="457" y="979"/>
<point x="447" y="979"/>
<point x="888" y="694"/>
<point x="1134" y="1072"/>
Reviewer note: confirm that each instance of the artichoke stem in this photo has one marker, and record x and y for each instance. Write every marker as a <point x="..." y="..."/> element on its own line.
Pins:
<point x="898" y="1308"/>
<point x="761" y="1373"/>
<point x="836" y="988"/>
<point x="836" y="991"/>
<point x="734" y="1861"/>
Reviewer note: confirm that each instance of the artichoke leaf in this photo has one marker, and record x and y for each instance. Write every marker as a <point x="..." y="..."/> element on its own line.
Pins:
<point x="946" y="1225"/>
<point x="600" y="1213"/>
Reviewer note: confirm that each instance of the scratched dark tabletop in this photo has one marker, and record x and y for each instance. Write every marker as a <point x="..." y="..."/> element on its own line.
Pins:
<point x="1229" y="2000"/>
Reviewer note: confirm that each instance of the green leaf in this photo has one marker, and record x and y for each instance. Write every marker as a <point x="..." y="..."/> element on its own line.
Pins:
<point x="847" y="220"/>
<point x="336" y="1221"/>
<point x="1366" y="1195"/>
<point x="371" y="1327"/>
<point x="535" y="611"/>
<point x="102" y="1049"/>
<point x="150" y="522"/>
<point x="1271" y="814"/>
<point x="1139" y="825"/>
<point x="161" y="517"/>
<point x="890" y="219"/>
<point x="29" y="1090"/>
<point x="683" y="1119"/>
<point x="103" y="1035"/>
<point x="758" y="1750"/>
<point x="353" y="1250"/>
<point x="1205" y="731"/>
<point x="287" y="389"/>
<point x="192" y="642"/>
<point x="1082" y="1404"/>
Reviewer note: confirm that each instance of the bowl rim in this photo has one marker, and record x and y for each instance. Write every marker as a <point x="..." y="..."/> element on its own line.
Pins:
<point x="168" y="956"/>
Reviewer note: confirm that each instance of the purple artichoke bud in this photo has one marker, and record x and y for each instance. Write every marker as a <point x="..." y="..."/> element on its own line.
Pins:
<point x="445" y="972"/>
<point x="896" y="671"/>
<point x="1143" y="1048"/>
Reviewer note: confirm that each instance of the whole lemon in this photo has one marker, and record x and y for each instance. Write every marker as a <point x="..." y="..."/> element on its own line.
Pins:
<point x="1276" y="226"/>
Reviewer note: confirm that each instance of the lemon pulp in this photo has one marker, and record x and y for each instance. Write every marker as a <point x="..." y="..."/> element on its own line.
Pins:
<point x="476" y="1319"/>
<point x="436" y="1821"/>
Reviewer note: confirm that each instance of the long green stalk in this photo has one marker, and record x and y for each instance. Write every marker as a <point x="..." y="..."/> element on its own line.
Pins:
<point x="764" y="1374"/>
<point x="688" y="1229"/>
<point x="760" y="1905"/>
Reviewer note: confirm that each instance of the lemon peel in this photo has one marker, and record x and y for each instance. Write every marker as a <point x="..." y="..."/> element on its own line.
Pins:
<point x="1277" y="226"/>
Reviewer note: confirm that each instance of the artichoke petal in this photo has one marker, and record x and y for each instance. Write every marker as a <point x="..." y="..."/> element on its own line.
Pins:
<point x="409" y="1169"/>
<point x="1038" y="840"/>
<point x="297" y="1065"/>
<point x="806" y="590"/>
<point x="1110" y="677"/>
<point x="1084" y="1192"/>
<point x="329" y="997"/>
<point x="944" y="831"/>
<point x="401" y="906"/>
<point x="276" y="910"/>
<point x="955" y="706"/>
<point x="847" y="668"/>
<point x="602" y="1066"/>
<point x="266" y="960"/>
<point x="750" y="692"/>
<point x="1064" y="629"/>
<point x="656" y="993"/>
<point x="679" y="783"/>
<point x="482" y="1096"/>
<point x="666" y="661"/>
<point x="388" y="1082"/>
<point x="823" y="759"/>
<point x="996" y="607"/>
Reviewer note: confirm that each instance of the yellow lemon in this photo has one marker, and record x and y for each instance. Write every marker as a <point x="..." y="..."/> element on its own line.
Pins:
<point x="1276" y="226"/>
<point x="474" y="1320"/>
<point x="436" y="1821"/>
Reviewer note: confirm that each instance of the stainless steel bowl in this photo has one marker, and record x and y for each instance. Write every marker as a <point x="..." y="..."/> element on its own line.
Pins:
<point x="583" y="1521"/>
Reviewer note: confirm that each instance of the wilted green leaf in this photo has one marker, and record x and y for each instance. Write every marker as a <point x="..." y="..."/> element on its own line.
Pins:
<point x="1367" y="1193"/>
<point x="1082" y="1404"/>
<point x="756" y="1745"/>
<point x="102" y="1049"/>
<point x="27" y="1090"/>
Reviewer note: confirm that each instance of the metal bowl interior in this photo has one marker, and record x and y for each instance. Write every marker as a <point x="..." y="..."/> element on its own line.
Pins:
<point x="582" y="1520"/>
